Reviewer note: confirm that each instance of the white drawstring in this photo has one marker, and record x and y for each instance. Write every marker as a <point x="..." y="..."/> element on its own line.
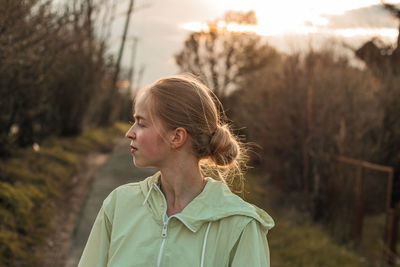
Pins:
<point x="204" y="245"/>
<point x="147" y="196"/>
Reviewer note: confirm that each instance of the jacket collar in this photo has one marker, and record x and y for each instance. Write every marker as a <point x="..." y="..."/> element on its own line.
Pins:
<point x="215" y="202"/>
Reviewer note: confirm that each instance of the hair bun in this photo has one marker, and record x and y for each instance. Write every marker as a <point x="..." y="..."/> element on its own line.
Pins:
<point x="224" y="148"/>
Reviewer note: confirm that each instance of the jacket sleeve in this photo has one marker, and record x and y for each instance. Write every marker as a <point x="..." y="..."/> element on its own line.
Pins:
<point x="251" y="249"/>
<point x="95" y="253"/>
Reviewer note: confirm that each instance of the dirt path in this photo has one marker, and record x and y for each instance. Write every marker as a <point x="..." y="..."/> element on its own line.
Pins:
<point x="76" y="211"/>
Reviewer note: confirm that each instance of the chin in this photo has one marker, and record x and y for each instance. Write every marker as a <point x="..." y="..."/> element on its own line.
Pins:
<point x="139" y="164"/>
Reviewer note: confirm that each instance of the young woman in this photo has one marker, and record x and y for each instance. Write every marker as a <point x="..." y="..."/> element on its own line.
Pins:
<point x="179" y="216"/>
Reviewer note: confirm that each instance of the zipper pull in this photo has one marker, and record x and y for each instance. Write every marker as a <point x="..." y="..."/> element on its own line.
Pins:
<point x="164" y="231"/>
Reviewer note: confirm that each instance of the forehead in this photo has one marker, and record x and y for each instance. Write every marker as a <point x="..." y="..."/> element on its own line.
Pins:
<point x="141" y="107"/>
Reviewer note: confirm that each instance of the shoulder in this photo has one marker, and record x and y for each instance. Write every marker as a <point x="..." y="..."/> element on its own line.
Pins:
<point x="232" y="208"/>
<point x="120" y="195"/>
<point x="237" y="223"/>
<point x="124" y="197"/>
<point x="131" y="190"/>
<point x="122" y="192"/>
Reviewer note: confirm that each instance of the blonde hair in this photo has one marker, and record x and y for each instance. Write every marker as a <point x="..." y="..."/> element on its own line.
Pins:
<point x="183" y="101"/>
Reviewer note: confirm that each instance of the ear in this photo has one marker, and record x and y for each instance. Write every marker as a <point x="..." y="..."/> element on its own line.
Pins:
<point x="179" y="136"/>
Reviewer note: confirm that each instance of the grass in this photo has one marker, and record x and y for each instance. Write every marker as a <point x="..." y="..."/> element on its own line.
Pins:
<point x="296" y="240"/>
<point x="31" y="181"/>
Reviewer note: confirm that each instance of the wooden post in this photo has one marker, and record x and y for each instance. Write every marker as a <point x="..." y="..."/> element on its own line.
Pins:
<point x="358" y="207"/>
<point x="391" y="223"/>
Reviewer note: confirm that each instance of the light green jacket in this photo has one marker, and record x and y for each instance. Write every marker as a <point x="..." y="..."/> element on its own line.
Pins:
<point x="216" y="229"/>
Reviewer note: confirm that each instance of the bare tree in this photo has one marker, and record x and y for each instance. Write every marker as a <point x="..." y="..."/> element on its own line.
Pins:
<point x="383" y="60"/>
<point x="54" y="72"/>
<point x="222" y="58"/>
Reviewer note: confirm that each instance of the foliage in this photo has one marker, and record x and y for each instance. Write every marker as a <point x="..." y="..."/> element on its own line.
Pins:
<point x="31" y="182"/>
<point x="54" y="73"/>
<point x="311" y="104"/>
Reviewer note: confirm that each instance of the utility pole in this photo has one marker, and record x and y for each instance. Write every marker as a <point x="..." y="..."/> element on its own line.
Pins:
<point x="121" y="49"/>
<point x="131" y="74"/>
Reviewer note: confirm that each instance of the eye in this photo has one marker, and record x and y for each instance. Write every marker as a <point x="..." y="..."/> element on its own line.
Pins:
<point x="137" y="122"/>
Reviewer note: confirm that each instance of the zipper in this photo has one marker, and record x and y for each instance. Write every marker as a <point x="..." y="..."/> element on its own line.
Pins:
<point x="164" y="228"/>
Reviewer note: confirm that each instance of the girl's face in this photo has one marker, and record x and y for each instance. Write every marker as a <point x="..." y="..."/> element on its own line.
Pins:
<point x="147" y="145"/>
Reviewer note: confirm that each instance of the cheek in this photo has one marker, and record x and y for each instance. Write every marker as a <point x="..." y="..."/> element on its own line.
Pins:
<point x="153" y="144"/>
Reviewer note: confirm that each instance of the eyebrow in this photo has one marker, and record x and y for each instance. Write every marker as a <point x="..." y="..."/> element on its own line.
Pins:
<point x="138" y="117"/>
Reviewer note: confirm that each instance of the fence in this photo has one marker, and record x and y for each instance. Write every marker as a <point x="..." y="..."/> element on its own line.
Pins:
<point x="368" y="197"/>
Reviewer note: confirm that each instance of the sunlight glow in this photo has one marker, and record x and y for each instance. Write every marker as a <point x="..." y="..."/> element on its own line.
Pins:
<point x="293" y="6"/>
<point x="286" y="17"/>
<point x="234" y="27"/>
<point x="195" y="26"/>
<point x="300" y="30"/>
<point x="221" y="26"/>
<point x="383" y="32"/>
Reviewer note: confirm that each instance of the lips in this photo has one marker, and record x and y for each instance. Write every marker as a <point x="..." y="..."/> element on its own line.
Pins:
<point x="133" y="149"/>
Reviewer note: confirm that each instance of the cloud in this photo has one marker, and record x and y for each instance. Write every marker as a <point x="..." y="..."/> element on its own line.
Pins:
<point x="374" y="16"/>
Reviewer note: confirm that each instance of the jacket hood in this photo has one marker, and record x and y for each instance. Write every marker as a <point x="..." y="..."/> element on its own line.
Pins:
<point x="215" y="202"/>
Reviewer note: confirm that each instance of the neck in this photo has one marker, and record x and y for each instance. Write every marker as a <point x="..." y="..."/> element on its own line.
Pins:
<point x="181" y="183"/>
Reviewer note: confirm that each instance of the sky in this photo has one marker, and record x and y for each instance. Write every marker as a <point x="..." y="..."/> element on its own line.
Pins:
<point x="161" y="26"/>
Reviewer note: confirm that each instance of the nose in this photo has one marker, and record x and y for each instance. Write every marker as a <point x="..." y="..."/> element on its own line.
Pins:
<point x="130" y="134"/>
